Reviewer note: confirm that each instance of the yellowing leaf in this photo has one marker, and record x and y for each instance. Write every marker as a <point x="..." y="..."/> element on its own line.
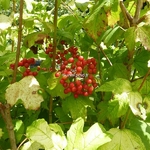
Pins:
<point x="142" y="35"/>
<point x="123" y="140"/>
<point x="135" y="104"/>
<point x="26" y="90"/>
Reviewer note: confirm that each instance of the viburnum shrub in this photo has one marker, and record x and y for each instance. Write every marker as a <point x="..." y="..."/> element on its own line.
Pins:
<point x="77" y="73"/>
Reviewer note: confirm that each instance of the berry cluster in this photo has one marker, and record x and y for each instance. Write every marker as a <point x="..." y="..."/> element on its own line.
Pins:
<point x="26" y="63"/>
<point x="77" y="73"/>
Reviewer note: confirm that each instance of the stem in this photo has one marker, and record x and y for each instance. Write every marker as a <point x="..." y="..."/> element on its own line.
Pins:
<point x="50" y="109"/>
<point x="123" y="123"/>
<point x="137" y="12"/>
<point x="55" y="35"/>
<point x="144" y="79"/>
<point x="22" y="143"/>
<point x="5" y="112"/>
<point x="19" y="41"/>
<point x="101" y="49"/>
<point x="126" y="14"/>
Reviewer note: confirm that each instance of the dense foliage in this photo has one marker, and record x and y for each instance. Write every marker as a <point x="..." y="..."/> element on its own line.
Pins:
<point x="75" y="74"/>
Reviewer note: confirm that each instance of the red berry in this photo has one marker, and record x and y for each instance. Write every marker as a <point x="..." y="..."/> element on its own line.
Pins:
<point x="57" y="74"/>
<point x="79" y="69"/>
<point x="85" y="93"/>
<point x="51" y="55"/>
<point x="35" y="73"/>
<point x="12" y="66"/>
<point x="88" y="81"/>
<point x="25" y="74"/>
<point x="65" y="52"/>
<point x="71" y="84"/>
<point x="28" y="70"/>
<point x="79" y="63"/>
<point x="71" y="60"/>
<point x="80" y="58"/>
<point x="90" y="71"/>
<point x="38" y="68"/>
<point x="20" y="63"/>
<point x="26" y="65"/>
<point x="73" y="89"/>
<point x="24" y="60"/>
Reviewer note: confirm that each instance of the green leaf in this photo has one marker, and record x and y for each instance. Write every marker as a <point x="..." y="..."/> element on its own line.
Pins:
<point x="119" y="70"/>
<point x="5" y="21"/>
<point x="1" y="133"/>
<point x="26" y="90"/>
<point x="31" y="145"/>
<point x="56" y="89"/>
<point x="142" y="35"/>
<point x="77" y="106"/>
<point x="118" y="85"/>
<point x="112" y="35"/>
<point x="19" y="130"/>
<point x="123" y="140"/>
<point x="5" y="4"/>
<point x="118" y="106"/>
<point x="90" y="140"/>
<point x="103" y="113"/>
<point x="130" y="36"/>
<point x="141" y="62"/>
<point x="34" y="38"/>
<point x="47" y="135"/>
<point x="97" y="20"/>
<point x="81" y="5"/>
<point x="142" y="129"/>
<point x="135" y="104"/>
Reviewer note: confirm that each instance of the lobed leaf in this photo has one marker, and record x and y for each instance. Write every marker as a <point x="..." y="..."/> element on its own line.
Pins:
<point x="51" y="136"/>
<point x="26" y="90"/>
<point x="122" y="140"/>
<point x="90" y="140"/>
<point x="117" y="86"/>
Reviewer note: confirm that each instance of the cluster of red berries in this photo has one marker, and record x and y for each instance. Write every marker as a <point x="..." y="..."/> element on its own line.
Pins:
<point x="77" y="73"/>
<point x="26" y="63"/>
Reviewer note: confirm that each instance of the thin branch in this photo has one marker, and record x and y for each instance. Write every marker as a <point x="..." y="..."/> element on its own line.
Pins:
<point x="22" y="143"/>
<point x="101" y="49"/>
<point x="137" y="12"/>
<point x="5" y="112"/>
<point x="55" y="35"/>
<point x="126" y="14"/>
<point x="19" y="41"/>
<point x="50" y="109"/>
<point x="144" y="79"/>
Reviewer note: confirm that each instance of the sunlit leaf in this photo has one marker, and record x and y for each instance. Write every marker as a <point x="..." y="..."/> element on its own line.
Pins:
<point x="142" y="129"/>
<point x="118" y="85"/>
<point x="122" y="140"/>
<point x="26" y="90"/>
<point x="135" y="104"/>
<point x="118" y="106"/>
<point x="142" y="35"/>
<point x="90" y="140"/>
<point x="31" y="145"/>
<point x="19" y="130"/>
<point x="50" y="136"/>
<point x="5" y="21"/>
<point x="130" y="36"/>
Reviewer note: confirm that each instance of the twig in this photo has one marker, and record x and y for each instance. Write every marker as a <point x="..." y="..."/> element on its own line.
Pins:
<point x="137" y="12"/>
<point x="22" y="143"/>
<point x="5" y="112"/>
<point x="55" y="35"/>
<point x="50" y="109"/>
<point x="144" y="79"/>
<point x="126" y="14"/>
<point x="19" y="42"/>
<point x="101" y="49"/>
